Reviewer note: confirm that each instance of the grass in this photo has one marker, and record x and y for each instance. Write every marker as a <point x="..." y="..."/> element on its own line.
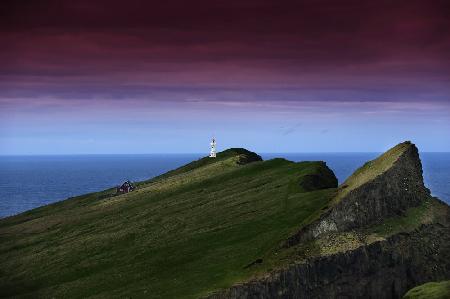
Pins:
<point x="372" y="169"/>
<point x="430" y="211"/>
<point x="181" y="235"/>
<point x="412" y="218"/>
<point x="237" y="154"/>
<point x="430" y="290"/>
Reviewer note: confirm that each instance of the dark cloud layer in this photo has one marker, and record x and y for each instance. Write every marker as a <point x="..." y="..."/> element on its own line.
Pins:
<point x="258" y="50"/>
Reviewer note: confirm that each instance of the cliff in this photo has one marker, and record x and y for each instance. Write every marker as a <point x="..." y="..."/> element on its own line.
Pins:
<point x="383" y="269"/>
<point x="236" y="227"/>
<point x="384" y="187"/>
<point x="381" y="235"/>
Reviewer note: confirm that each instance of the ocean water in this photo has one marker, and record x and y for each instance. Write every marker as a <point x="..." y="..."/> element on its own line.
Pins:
<point x="436" y="167"/>
<point x="28" y="182"/>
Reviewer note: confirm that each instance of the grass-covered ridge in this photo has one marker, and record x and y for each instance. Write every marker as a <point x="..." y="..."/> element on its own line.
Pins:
<point x="181" y="235"/>
<point x="430" y="290"/>
<point x="430" y="211"/>
<point x="240" y="156"/>
<point x="372" y="169"/>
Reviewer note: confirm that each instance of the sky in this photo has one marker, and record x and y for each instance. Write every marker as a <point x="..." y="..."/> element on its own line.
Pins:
<point x="113" y="77"/>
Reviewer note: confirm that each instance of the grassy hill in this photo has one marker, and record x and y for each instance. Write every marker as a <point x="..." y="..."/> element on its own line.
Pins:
<point x="184" y="234"/>
<point x="430" y="290"/>
<point x="371" y="169"/>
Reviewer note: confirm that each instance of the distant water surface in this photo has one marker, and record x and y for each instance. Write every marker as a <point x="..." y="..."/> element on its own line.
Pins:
<point x="27" y="182"/>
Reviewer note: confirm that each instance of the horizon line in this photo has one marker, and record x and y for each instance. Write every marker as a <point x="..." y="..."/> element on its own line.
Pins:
<point x="194" y="153"/>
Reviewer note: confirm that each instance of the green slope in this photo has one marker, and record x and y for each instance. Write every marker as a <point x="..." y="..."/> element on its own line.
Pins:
<point x="372" y="169"/>
<point x="181" y="235"/>
<point x="431" y="290"/>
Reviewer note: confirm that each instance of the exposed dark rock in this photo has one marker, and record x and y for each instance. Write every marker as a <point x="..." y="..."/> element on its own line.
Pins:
<point x="323" y="178"/>
<point x="387" y="268"/>
<point x="384" y="269"/>
<point x="249" y="157"/>
<point x="388" y="194"/>
<point x="256" y="262"/>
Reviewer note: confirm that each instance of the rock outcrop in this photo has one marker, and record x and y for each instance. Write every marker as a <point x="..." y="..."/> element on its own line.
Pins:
<point x="385" y="268"/>
<point x="322" y="178"/>
<point x="245" y="156"/>
<point x="384" y="187"/>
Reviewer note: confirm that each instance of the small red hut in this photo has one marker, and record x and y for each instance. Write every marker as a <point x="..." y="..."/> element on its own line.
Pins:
<point x="126" y="187"/>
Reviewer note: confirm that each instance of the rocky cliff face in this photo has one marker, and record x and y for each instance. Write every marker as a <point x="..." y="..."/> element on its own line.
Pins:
<point x="383" y="269"/>
<point x="386" y="268"/>
<point x="323" y="178"/>
<point x="396" y="188"/>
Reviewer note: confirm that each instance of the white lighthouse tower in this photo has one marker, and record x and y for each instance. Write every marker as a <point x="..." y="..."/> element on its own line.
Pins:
<point x="213" y="152"/>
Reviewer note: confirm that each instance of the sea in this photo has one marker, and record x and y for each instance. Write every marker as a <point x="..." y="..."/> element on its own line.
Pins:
<point x="27" y="182"/>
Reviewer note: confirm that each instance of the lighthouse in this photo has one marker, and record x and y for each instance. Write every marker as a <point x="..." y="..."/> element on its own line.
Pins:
<point x="212" y="153"/>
